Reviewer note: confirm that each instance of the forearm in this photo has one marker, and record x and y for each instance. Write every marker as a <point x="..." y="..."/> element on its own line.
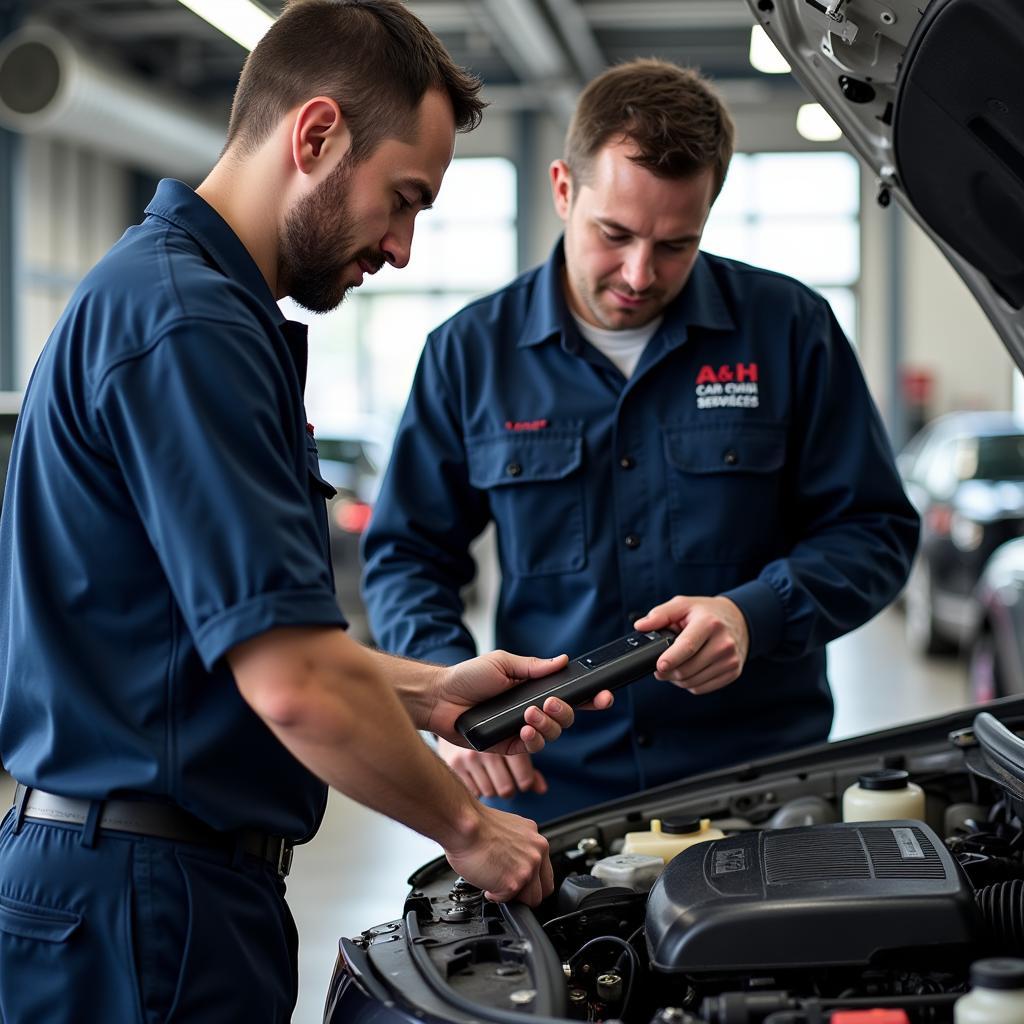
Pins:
<point x="346" y="723"/>
<point x="826" y="586"/>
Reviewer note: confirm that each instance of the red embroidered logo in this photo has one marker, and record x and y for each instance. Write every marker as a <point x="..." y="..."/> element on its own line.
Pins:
<point x="525" y="424"/>
<point x="740" y="373"/>
<point x="732" y="385"/>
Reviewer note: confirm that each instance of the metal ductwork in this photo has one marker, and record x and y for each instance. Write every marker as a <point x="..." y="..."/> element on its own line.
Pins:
<point x="49" y="87"/>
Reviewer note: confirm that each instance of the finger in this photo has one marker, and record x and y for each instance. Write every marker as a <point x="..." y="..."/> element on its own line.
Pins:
<point x="517" y="667"/>
<point x="530" y="741"/>
<point x="501" y="778"/>
<point x="467" y="780"/>
<point x="709" y="656"/>
<point x="544" y="724"/>
<point x="712" y="675"/>
<point x="521" y="771"/>
<point x="560" y="711"/>
<point x="547" y="877"/>
<point x="530" y="894"/>
<point x="685" y="646"/>
<point x="718" y="683"/>
<point x="481" y="779"/>
<point x="540" y="784"/>
<point x="604" y="700"/>
<point x="665" y="614"/>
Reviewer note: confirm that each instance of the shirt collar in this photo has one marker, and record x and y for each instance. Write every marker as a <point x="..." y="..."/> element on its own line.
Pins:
<point x="180" y="205"/>
<point x="700" y="304"/>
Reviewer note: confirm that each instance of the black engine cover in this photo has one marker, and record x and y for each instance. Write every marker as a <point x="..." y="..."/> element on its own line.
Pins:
<point x="847" y="894"/>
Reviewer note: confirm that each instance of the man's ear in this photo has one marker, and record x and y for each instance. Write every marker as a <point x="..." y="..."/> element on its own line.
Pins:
<point x="320" y="135"/>
<point x="561" y="188"/>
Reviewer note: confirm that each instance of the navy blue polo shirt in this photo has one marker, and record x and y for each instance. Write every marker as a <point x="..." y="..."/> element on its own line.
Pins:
<point x="743" y="457"/>
<point x="163" y="504"/>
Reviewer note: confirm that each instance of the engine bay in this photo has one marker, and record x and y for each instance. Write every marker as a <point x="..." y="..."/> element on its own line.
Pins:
<point x="774" y="909"/>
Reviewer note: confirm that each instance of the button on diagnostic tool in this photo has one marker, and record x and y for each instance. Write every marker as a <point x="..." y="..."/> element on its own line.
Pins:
<point x="623" y="661"/>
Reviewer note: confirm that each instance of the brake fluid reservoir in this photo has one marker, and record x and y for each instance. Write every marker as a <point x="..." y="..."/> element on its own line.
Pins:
<point x="996" y="996"/>
<point x="637" y="870"/>
<point x="671" y="836"/>
<point x="883" y="795"/>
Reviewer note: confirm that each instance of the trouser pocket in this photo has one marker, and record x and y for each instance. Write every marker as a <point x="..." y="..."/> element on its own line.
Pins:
<point x="34" y="943"/>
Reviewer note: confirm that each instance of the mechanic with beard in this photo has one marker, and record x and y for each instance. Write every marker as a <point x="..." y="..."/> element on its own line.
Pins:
<point x="649" y="427"/>
<point x="176" y="686"/>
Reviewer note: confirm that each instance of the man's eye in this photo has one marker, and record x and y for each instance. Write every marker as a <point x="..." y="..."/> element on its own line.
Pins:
<point x="401" y="203"/>
<point x="609" y="237"/>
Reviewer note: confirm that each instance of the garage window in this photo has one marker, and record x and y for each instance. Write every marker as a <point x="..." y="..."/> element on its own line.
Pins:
<point x="797" y="213"/>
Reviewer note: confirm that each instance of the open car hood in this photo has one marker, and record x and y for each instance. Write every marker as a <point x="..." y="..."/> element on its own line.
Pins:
<point x="792" y="910"/>
<point x="929" y="96"/>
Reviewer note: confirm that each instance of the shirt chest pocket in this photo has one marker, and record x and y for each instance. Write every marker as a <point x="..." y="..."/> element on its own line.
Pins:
<point x="534" y="484"/>
<point x="725" y="493"/>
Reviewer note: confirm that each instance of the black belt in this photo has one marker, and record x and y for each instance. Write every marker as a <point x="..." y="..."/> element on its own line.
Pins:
<point x="151" y="818"/>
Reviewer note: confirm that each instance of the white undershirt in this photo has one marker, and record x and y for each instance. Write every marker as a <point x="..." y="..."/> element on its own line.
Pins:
<point x="624" y="347"/>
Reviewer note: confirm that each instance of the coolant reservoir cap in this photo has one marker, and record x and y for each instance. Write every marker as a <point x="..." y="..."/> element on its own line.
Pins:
<point x="680" y="826"/>
<point x="884" y="778"/>
<point x="1002" y="973"/>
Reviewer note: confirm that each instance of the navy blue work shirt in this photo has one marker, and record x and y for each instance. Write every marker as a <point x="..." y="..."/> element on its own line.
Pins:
<point x="163" y="504"/>
<point x="744" y="457"/>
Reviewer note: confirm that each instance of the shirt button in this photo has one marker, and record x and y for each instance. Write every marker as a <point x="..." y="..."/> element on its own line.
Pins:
<point x="513" y="469"/>
<point x="632" y="540"/>
<point x="627" y="462"/>
<point x="731" y="457"/>
<point x="643" y="739"/>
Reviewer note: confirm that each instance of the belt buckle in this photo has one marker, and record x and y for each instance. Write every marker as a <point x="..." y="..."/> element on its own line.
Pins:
<point x="283" y="861"/>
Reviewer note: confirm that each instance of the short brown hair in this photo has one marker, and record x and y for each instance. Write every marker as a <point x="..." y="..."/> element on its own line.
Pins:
<point x="374" y="58"/>
<point x="675" y="118"/>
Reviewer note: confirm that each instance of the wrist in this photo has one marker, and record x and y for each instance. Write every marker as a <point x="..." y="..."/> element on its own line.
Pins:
<point x="419" y="686"/>
<point x="464" y="827"/>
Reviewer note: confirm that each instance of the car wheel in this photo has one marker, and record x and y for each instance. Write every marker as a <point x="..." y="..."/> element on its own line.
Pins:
<point x="922" y="632"/>
<point x="983" y="670"/>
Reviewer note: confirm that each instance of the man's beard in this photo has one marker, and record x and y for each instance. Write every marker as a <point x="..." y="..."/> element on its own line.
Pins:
<point x="317" y="244"/>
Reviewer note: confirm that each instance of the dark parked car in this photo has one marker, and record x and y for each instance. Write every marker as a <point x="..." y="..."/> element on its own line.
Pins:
<point x="352" y="462"/>
<point x="996" y="644"/>
<point x="788" y="915"/>
<point x="965" y="474"/>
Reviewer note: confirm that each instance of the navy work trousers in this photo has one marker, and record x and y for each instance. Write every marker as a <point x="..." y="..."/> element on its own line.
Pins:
<point x="137" y="929"/>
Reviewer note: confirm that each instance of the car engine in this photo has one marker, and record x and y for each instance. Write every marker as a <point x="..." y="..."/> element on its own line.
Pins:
<point x="773" y="911"/>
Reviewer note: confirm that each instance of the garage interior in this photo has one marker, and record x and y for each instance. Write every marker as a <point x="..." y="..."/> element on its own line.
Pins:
<point x="74" y="175"/>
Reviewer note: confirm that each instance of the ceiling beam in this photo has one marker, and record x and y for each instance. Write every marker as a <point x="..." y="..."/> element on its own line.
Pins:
<point x="575" y="29"/>
<point x="667" y="14"/>
<point x="533" y="50"/>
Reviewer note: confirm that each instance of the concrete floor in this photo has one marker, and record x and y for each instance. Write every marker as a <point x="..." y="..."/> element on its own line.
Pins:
<point x="353" y="875"/>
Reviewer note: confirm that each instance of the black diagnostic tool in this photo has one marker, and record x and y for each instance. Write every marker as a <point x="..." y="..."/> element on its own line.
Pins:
<point x="622" y="661"/>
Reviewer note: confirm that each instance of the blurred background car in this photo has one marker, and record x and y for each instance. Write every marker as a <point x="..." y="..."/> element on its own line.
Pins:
<point x="351" y="459"/>
<point x="995" y="647"/>
<point x="965" y="475"/>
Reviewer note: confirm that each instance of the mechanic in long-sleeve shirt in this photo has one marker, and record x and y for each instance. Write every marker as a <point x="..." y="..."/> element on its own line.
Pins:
<point x="652" y="429"/>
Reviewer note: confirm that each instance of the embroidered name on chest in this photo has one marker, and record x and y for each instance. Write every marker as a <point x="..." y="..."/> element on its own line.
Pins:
<point x="519" y="425"/>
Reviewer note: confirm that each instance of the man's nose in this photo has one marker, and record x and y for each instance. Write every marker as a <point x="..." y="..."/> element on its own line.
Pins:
<point x="638" y="269"/>
<point x="397" y="246"/>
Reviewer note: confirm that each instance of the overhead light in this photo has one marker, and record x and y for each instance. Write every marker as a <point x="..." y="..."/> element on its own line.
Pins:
<point x="241" y="20"/>
<point x="815" y="124"/>
<point x="764" y="54"/>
